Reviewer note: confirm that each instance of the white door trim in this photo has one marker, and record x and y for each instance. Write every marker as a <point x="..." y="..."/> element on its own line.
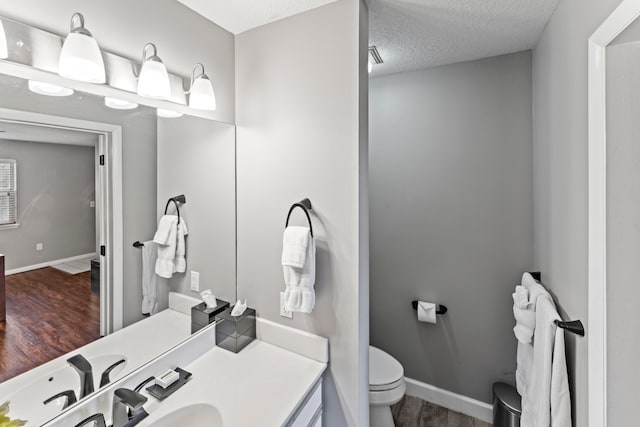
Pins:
<point x="625" y="14"/>
<point x="110" y="208"/>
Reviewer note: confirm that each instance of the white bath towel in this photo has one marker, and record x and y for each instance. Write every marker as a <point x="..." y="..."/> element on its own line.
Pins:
<point x="149" y="278"/>
<point x="165" y="229"/>
<point x="521" y="297"/>
<point x="299" y="292"/>
<point x="295" y="241"/>
<point x="546" y="401"/>
<point x="524" y="314"/>
<point x="180" y="262"/>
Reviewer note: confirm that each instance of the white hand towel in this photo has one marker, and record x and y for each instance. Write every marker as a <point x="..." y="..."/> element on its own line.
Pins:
<point x="525" y="324"/>
<point x="165" y="226"/>
<point x="167" y="250"/>
<point x="521" y="297"/>
<point x="180" y="263"/>
<point x="295" y="241"/>
<point x="299" y="293"/>
<point x="149" y="278"/>
<point x="546" y="401"/>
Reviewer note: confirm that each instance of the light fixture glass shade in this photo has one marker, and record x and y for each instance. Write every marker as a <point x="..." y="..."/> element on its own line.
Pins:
<point x="202" y="96"/>
<point x="119" y="104"/>
<point x="370" y="66"/>
<point x="48" y="89"/>
<point x="80" y="58"/>
<point x="4" y="51"/>
<point x="168" y="114"/>
<point x="153" y="81"/>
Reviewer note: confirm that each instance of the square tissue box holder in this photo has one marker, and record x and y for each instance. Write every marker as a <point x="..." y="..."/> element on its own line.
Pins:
<point x="234" y="333"/>
<point x="202" y="316"/>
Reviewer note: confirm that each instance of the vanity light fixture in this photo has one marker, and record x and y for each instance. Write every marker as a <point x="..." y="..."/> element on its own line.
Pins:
<point x="4" y="51"/>
<point x="48" y="89"/>
<point x="168" y="114"/>
<point x="153" y="81"/>
<point x="80" y="58"/>
<point x="119" y="104"/>
<point x="201" y="94"/>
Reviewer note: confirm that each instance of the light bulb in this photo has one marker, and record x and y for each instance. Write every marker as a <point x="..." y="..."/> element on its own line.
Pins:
<point x="48" y="89"/>
<point x="80" y="58"/>
<point x="119" y="104"/>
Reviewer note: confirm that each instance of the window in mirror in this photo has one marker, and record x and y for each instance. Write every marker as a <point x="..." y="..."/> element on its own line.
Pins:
<point x="8" y="193"/>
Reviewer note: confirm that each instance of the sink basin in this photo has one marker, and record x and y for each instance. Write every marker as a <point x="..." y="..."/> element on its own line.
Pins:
<point x="27" y="402"/>
<point x="196" y="415"/>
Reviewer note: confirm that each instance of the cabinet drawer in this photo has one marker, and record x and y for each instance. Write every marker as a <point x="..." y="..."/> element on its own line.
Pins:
<point x="309" y="409"/>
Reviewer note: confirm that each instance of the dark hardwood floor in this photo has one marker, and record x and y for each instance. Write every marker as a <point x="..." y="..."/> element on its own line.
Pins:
<point x="414" y="412"/>
<point x="49" y="313"/>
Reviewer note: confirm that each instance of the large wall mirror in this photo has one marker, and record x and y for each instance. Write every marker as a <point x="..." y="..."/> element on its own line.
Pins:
<point x="60" y="207"/>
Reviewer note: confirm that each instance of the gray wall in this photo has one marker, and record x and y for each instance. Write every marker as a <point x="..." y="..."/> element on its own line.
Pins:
<point x="298" y="136"/>
<point x="123" y="27"/>
<point x="623" y="232"/>
<point x="451" y="217"/>
<point x="196" y="157"/>
<point x="56" y="182"/>
<point x="138" y="169"/>
<point x="560" y="135"/>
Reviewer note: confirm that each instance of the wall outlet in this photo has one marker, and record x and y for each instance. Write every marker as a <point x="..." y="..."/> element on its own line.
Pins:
<point x="195" y="281"/>
<point x="39" y="246"/>
<point x="283" y="311"/>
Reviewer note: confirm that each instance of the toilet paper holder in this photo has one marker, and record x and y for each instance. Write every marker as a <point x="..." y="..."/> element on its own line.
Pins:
<point x="440" y="309"/>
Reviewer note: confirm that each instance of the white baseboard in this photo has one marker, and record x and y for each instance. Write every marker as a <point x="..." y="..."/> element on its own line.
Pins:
<point x="456" y="402"/>
<point x="48" y="264"/>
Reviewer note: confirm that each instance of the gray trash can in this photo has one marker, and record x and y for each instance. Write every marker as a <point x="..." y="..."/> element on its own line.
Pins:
<point x="507" y="407"/>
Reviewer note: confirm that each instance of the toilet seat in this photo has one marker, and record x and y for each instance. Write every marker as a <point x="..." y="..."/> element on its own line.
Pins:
<point x="385" y="372"/>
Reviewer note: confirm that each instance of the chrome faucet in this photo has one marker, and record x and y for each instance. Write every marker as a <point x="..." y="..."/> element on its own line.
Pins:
<point x="83" y="367"/>
<point x="127" y="409"/>
<point x="96" y="419"/>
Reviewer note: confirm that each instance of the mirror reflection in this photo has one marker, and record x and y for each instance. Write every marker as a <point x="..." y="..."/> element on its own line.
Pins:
<point x="82" y="179"/>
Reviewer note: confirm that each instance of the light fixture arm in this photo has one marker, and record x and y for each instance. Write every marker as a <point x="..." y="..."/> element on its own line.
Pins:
<point x="154" y="55"/>
<point x="77" y="25"/>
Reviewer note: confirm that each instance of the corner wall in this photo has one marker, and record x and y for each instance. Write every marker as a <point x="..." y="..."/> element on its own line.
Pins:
<point x="560" y="135"/>
<point x="298" y="111"/>
<point x="451" y="217"/>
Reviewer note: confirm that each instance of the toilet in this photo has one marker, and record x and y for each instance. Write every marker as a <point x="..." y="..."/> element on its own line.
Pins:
<point x="386" y="387"/>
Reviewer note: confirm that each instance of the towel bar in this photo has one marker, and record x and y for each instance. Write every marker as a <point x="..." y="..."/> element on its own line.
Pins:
<point x="138" y="244"/>
<point x="305" y="205"/>
<point x="440" y="309"/>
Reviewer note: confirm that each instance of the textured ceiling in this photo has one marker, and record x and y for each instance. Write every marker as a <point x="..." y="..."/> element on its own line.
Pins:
<point x="413" y="34"/>
<point x="237" y="16"/>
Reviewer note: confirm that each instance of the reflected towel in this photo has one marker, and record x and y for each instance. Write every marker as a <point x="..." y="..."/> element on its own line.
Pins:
<point x="149" y="278"/>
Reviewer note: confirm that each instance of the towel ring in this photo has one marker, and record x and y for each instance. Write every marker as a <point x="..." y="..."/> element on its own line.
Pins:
<point x="177" y="199"/>
<point x="305" y="205"/>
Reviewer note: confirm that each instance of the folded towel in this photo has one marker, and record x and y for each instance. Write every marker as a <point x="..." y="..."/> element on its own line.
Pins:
<point x="525" y="317"/>
<point x="180" y="263"/>
<point x="546" y="401"/>
<point x="521" y="297"/>
<point x="299" y="293"/>
<point x="295" y="241"/>
<point x="149" y="279"/>
<point x="166" y="227"/>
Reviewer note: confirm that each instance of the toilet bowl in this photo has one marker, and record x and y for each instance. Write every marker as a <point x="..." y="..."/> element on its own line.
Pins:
<point x="386" y="386"/>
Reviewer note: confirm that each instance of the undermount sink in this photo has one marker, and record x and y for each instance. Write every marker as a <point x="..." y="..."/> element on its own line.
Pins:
<point x="196" y="415"/>
<point x="27" y="403"/>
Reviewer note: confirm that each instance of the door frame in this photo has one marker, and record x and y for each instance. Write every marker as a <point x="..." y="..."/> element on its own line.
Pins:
<point x="108" y="205"/>
<point x="623" y="16"/>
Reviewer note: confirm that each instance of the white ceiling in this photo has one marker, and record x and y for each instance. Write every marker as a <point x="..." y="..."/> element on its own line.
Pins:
<point x="34" y="133"/>
<point x="237" y="16"/>
<point x="413" y="34"/>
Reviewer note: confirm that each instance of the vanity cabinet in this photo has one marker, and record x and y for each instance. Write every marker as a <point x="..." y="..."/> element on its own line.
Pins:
<point x="310" y="412"/>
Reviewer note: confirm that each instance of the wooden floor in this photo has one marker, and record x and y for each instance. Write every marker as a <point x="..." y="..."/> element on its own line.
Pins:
<point x="414" y="412"/>
<point x="49" y="313"/>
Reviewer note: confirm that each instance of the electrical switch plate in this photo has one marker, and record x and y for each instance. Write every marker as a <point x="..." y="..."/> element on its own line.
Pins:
<point x="39" y="246"/>
<point x="195" y="281"/>
<point x="283" y="311"/>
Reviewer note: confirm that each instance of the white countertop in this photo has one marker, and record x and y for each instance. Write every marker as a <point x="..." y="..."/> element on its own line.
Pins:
<point x="262" y="385"/>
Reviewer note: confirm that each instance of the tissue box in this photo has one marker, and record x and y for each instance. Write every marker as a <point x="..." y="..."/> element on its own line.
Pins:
<point x="202" y="316"/>
<point x="234" y="333"/>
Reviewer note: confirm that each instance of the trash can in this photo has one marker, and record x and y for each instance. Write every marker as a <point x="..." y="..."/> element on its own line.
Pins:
<point x="507" y="407"/>
<point x="95" y="275"/>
